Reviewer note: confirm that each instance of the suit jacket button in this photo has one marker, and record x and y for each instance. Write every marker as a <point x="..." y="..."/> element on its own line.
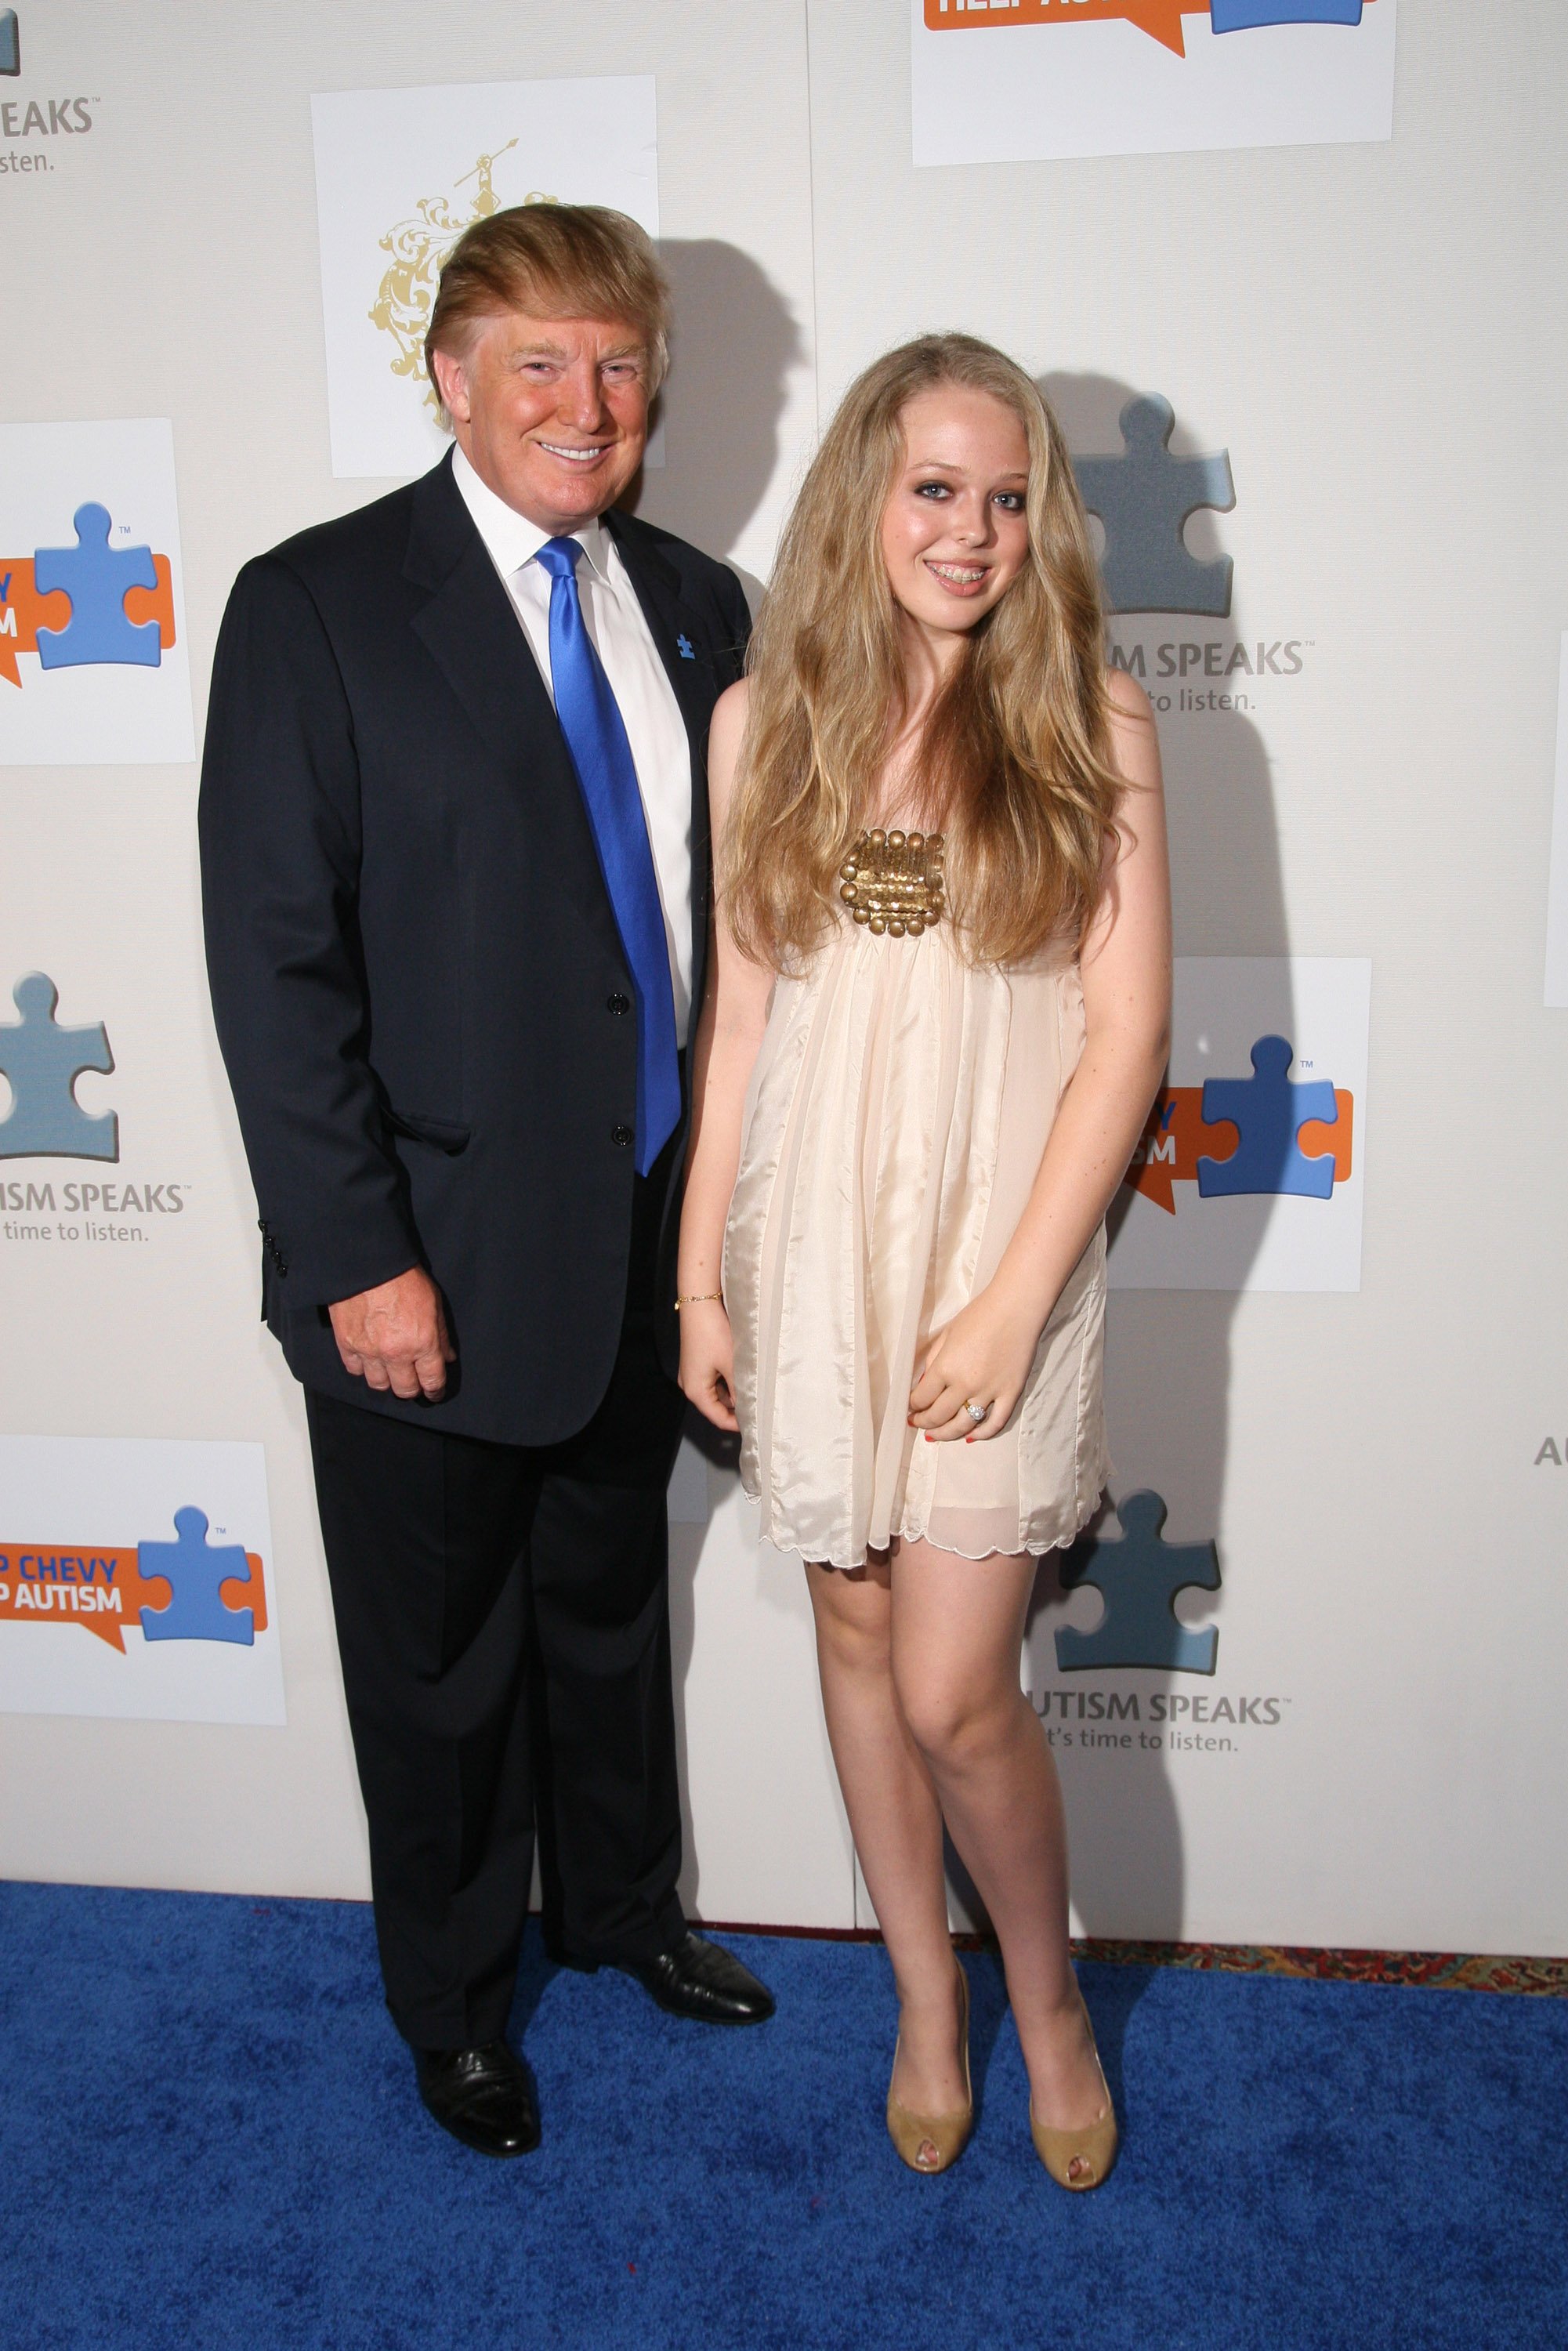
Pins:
<point x="621" y="1136"/>
<point x="617" y="1003"/>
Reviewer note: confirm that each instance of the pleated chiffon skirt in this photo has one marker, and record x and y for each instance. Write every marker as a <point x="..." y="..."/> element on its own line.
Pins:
<point x="895" y="1126"/>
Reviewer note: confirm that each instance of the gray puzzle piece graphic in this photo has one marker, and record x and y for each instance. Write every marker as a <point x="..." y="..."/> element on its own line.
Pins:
<point x="1138" y="1579"/>
<point x="1144" y="498"/>
<point x="193" y="1568"/>
<point x="42" y="1061"/>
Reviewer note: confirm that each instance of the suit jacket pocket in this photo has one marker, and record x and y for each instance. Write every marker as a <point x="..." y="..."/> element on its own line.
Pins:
<point x="444" y="1134"/>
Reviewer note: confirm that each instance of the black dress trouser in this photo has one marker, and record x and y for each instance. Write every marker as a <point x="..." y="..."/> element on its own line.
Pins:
<point x="503" y="1623"/>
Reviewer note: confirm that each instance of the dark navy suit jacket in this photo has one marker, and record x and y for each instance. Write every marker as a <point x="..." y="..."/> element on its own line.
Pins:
<point x="418" y="982"/>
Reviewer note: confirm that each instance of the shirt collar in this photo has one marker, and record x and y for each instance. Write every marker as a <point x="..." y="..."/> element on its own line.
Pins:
<point x="511" y="539"/>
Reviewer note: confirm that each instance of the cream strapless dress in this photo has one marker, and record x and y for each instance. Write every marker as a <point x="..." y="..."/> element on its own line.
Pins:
<point x="894" y="1128"/>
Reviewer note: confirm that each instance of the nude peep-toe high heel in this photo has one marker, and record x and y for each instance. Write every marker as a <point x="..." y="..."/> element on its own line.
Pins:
<point x="932" y="2142"/>
<point x="1092" y="2149"/>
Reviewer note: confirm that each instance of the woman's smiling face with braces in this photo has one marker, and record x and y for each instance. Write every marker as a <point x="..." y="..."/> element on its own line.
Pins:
<point x="955" y="532"/>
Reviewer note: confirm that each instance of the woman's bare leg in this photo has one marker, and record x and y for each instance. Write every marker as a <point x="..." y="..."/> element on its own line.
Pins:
<point x="896" y="1825"/>
<point x="956" y="1635"/>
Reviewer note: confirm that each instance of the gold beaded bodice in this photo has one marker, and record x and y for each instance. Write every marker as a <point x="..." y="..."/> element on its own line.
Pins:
<point x="892" y="881"/>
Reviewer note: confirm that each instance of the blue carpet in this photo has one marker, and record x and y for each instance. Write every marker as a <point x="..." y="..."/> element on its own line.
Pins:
<point x="209" y="2136"/>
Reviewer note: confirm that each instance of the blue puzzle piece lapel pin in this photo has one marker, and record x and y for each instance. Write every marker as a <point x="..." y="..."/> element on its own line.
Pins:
<point x="684" y="647"/>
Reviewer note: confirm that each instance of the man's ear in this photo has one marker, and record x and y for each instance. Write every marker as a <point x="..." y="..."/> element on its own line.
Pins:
<point x="452" y="386"/>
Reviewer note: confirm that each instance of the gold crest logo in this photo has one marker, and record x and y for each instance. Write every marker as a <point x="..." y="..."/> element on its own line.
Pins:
<point x="419" y="246"/>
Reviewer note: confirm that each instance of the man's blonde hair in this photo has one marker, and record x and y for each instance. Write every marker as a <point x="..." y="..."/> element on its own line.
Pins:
<point x="553" y="261"/>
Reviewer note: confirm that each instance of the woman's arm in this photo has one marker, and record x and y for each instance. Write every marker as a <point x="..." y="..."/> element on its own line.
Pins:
<point x="985" y="1352"/>
<point x="729" y="1033"/>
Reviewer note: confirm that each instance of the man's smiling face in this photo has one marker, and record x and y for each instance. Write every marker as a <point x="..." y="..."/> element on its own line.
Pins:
<point x="551" y="413"/>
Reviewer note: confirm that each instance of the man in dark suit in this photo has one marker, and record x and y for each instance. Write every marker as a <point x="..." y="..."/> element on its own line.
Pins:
<point x="455" y="860"/>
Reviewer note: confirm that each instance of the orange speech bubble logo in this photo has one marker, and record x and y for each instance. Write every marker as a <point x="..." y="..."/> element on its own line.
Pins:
<point x="24" y="610"/>
<point x="1176" y="1135"/>
<point x="100" y="1588"/>
<point x="1161" y="19"/>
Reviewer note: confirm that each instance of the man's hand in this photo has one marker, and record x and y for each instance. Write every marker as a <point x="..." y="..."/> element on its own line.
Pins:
<point x="394" y="1336"/>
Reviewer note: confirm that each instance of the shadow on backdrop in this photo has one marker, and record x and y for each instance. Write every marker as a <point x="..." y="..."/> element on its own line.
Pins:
<point x="1168" y="1352"/>
<point x="717" y="1450"/>
<point x="734" y="341"/>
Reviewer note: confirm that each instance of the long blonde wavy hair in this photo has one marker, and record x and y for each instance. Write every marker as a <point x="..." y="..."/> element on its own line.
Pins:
<point x="1013" y="761"/>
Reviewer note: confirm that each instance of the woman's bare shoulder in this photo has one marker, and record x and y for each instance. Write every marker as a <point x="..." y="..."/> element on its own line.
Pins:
<point x="729" y="711"/>
<point x="1127" y="698"/>
<point x="1134" y="743"/>
<point x="726" y="728"/>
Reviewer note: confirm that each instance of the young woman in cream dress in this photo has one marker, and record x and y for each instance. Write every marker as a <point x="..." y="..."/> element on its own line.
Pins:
<point x="936" y="1021"/>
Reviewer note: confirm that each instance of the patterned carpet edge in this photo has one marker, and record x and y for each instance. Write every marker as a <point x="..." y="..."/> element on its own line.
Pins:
<point x="1441" y="1970"/>
<point x="1435" y="1970"/>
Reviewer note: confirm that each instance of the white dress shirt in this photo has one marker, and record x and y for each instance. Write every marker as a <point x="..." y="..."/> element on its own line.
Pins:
<point x="614" y="620"/>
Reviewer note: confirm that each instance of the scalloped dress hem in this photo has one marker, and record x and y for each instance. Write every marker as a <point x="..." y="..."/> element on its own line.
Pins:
<point x="811" y="1555"/>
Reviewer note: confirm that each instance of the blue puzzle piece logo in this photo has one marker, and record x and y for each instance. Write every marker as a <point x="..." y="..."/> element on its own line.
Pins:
<point x="95" y="577"/>
<point x="1138" y="1579"/>
<point x="10" y="42"/>
<point x="195" y="1569"/>
<point x="41" y="1061"/>
<point x="1246" y="15"/>
<point x="1144" y="498"/>
<point x="1267" y="1112"/>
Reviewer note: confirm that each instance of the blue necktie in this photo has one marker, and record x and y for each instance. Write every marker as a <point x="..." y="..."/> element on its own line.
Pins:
<point x="596" y="737"/>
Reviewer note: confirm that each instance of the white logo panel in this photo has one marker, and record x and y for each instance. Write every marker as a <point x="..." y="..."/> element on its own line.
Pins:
<point x="93" y="666"/>
<point x="1248" y="1176"/>
<point x="136" y="1579"/>
<point x="1140" y="77"/>
<point x="400" y="173"/>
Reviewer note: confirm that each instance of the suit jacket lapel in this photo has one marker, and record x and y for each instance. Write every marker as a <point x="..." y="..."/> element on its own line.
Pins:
<point x="671" y="623"/>
<point x="472" y="632"/>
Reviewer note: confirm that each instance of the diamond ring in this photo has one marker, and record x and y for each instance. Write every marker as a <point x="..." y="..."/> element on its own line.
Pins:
<point x="977" y="1412"/>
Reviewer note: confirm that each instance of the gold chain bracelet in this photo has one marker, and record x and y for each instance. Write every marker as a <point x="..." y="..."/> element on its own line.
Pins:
<point x="701" y="1298"/>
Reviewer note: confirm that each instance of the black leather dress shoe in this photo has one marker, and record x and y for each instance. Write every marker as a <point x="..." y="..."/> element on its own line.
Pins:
<point x="700" y="1980"/>
<point x="484" y="2096"/>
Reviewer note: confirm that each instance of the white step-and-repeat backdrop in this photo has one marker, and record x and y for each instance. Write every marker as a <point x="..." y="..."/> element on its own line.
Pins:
<point x="1291" y="271"/>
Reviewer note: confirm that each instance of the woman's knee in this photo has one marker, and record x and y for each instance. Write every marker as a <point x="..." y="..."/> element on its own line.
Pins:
<point x="956" y="1726"/>
<point x="853" y="1628"/>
